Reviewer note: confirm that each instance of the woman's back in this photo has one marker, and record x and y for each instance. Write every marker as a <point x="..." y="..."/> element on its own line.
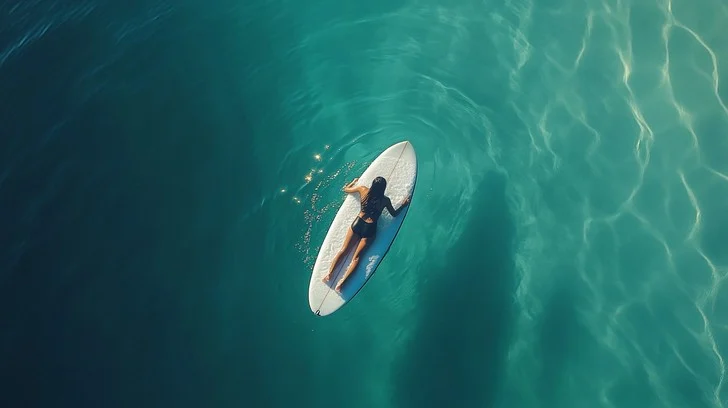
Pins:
<point x="372" y="207"/>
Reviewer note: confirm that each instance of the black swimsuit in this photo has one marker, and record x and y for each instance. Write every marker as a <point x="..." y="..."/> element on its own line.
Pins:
<point x="368" y="229"/>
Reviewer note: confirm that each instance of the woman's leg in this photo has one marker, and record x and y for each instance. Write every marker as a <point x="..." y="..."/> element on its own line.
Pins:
<point x="337" y="258"/>
<point x="363" y="244"/>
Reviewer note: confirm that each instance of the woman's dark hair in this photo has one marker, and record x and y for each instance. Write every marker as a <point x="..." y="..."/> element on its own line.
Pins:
<point x="376" y="191"/>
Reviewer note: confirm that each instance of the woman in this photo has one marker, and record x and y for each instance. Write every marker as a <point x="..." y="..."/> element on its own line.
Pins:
<point x="373" y="202"/>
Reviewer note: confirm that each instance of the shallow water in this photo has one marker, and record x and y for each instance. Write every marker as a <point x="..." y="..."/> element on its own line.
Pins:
<point x="168" y="171"/>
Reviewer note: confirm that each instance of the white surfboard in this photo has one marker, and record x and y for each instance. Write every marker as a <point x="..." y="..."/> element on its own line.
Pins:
<point x="398" y="165"/>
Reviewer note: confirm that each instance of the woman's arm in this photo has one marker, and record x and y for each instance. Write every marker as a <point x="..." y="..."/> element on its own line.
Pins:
<point x="398" y="210"/>
<point x="349" y="188"/>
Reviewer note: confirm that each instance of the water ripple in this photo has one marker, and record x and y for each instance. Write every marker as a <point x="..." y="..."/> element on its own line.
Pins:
<point x="24" y="22"/>
<point x="606" y="118"/>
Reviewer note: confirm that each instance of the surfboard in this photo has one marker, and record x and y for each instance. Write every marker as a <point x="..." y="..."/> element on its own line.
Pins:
<point x="398" y="165"/>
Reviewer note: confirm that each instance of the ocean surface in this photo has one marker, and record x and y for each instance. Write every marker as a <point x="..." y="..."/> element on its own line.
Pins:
<point x="169" y="169"/>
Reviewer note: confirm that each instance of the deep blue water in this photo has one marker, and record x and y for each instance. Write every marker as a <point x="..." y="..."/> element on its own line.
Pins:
<point x="168" y="171"/>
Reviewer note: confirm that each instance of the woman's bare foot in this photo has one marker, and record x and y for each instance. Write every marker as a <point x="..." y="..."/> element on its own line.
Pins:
<point x="326" y="278"/>
<point x="338" y="288"/>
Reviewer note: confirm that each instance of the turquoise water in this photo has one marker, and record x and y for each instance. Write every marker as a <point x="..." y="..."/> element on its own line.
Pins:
<point x="169" y="170"/>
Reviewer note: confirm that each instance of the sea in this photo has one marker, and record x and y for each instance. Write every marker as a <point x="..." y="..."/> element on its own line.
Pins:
<point x="169" y="170"/>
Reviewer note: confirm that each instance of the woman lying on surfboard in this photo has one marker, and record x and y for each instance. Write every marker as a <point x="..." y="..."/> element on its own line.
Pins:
<point x="373" y="202"/>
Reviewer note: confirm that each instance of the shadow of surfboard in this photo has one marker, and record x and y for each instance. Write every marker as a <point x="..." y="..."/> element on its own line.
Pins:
<point x="456" y="352"/>
<point x="561" y="337"/>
